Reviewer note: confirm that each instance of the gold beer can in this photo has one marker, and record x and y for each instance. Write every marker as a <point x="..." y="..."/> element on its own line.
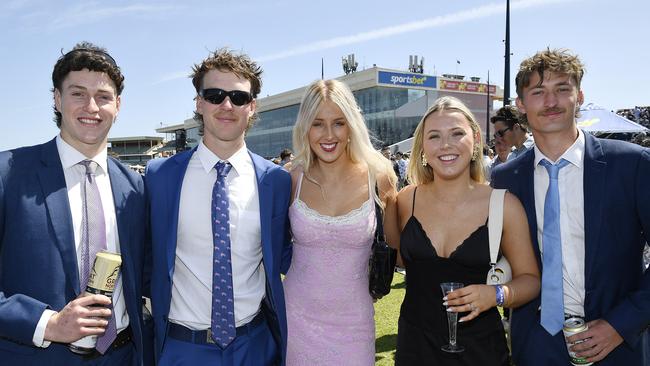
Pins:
<point x="573" y="326"/>
<point x="101" y="280"/>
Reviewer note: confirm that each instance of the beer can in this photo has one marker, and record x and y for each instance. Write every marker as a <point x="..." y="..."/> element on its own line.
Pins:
<point x="103" y="276"/>
<point x="573" y="326"/>
<point x="101" y="280"/>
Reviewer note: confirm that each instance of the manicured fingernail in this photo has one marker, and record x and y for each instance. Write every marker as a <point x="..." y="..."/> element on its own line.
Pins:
<point x="449" y="310"/>
<point x="444" y="303"/>
<point x="462" y="320"/>
<point x="445" y="298"/>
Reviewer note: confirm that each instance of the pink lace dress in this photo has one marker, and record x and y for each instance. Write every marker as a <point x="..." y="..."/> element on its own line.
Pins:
<point x="330" y="313"/>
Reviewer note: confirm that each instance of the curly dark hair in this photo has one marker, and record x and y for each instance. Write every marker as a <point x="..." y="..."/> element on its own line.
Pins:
<point x="226" y="60"/>
<point x="85" y="55"/>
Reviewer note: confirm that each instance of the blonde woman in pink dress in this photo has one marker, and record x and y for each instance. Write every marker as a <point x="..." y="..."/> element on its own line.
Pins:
<point x="330" y="313"/>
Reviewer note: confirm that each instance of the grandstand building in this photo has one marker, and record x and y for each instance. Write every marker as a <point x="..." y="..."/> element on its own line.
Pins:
<point x="137" y="150"/>
<point x="392" y="103"/>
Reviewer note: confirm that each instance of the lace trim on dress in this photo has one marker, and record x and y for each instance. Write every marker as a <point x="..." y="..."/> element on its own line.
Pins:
<point x="358" y="213"/>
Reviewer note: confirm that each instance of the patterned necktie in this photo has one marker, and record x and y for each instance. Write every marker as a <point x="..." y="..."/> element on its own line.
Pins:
<point x="223" y="309"/>
<point x="93" y="240"/>
<point x="552" y="317"/>
<point x="93" y="229"/>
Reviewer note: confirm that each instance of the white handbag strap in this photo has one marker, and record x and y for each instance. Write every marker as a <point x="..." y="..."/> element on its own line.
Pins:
<point x="495" y="222"/>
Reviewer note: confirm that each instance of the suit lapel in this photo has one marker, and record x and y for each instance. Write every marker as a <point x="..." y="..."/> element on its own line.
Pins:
<point x="55" y="192"/>
<point x="179" y="163"/>
<point x="122" y="189"/>
<point x="525" y="176"/>
<point x="266" y="201"/>
<point x="594" y="183"/>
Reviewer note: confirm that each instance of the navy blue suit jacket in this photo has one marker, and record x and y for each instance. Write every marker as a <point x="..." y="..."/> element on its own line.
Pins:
<point x="617" y="214"/>
<point x="164" y="179"/>
<point x="38" y="260"/>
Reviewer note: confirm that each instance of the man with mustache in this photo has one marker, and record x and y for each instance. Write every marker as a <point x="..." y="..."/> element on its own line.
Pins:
<point x="588" y="207"/>
<point x="220" y="232"/>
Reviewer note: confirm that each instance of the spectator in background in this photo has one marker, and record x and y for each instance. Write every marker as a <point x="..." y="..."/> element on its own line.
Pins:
<point x="508" y="128"/>
<point x="401" y="167"/>
<point x="285" y="158"/>
<point x="502" y="151"/>
<point x="487" y="161"/>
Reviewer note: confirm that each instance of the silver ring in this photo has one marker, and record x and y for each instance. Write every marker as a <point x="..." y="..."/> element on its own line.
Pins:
<point x="471" y="306"/>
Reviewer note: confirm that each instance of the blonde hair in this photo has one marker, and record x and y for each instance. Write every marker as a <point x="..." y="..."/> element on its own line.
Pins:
<point x="359" y="150"/>
<point x="419" y="174"/>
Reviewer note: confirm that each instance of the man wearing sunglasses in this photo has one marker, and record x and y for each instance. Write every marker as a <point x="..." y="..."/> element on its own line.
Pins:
<point x="220" y="232"/>
<point x="61" y="202"/>
<point x="508" y="129"/>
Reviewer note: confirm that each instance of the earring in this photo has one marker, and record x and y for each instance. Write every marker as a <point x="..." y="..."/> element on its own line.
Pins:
<point x="424" y="160"/>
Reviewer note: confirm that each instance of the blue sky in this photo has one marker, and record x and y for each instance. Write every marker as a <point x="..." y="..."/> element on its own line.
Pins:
<point x="157" y="42"/>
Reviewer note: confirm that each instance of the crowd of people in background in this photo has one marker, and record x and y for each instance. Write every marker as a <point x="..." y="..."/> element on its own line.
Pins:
<point x="640" y="115"/>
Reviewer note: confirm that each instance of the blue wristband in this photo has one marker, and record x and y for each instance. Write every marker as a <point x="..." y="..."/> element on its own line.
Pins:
<point x="501" y="296"/>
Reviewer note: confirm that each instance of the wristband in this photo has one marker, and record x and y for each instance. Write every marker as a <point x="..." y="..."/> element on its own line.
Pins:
<point x="501" y="296"/>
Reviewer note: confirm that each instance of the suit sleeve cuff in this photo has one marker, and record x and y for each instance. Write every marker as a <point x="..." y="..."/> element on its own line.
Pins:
<point x="39" y="333"/>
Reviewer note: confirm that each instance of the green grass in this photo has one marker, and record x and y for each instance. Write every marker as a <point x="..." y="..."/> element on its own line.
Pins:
<point x="386" y="315"/>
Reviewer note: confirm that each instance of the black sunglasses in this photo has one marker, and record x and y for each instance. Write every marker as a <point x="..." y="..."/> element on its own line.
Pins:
<point x="500" y="133"/>
<point x="217" y="96"/>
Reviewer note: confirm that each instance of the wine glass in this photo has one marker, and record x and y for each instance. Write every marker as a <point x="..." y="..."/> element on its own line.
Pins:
<point x="452" y="318"/>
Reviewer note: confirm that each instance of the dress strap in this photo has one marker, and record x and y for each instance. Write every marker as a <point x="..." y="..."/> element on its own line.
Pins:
<point x="299" y="185"/>
<point x="413" y="209"/>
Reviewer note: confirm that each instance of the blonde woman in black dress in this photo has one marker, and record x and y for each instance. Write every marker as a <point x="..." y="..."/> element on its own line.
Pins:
<point x="443" y="218"/>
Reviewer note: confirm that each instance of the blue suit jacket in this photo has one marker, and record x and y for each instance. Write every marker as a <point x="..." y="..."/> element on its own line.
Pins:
<point x="164" y="178"/>
<point x="38" y="260"/>
<point x="617" y="214"/>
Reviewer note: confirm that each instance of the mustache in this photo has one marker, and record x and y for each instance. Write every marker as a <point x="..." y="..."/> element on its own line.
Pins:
<point x="550" y="111"/>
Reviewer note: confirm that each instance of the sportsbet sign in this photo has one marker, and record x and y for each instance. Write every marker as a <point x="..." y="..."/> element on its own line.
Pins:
<point x="406" y="79"/>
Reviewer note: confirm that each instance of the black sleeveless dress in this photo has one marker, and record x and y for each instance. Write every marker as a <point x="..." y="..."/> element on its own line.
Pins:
<point x="423" y="319"/>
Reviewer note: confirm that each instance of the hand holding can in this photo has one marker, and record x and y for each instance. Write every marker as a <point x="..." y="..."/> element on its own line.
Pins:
<point x="573" y="326"/>
<point x="101" y="280"/>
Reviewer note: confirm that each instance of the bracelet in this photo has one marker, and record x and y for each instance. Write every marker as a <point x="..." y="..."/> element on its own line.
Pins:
<point x="501" y="297"/>
<point x="511" y="295"/>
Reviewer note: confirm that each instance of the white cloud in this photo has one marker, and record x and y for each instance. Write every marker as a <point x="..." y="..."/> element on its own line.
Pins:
<point x="93" y="12"/>
<point x="439" y="21"/>
<point x="172" y="76"/>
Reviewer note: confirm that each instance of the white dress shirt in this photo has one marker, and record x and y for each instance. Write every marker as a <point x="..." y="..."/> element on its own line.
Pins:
<point x="74" y="176"/>
<point x="191" y="302"/>
<point x="572" y="220"/>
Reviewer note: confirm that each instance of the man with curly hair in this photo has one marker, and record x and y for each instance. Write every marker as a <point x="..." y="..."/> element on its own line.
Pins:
<point x="588" y="207"/>
<point x="60" y="203"/>
<point x="220" y="232"/>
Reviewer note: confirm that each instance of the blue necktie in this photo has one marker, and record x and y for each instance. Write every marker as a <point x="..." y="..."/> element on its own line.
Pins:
<point x="223" y="308"/>
<point x="552" y="318"/>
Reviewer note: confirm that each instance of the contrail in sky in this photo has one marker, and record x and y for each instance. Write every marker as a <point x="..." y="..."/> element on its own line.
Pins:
<point x="439" y="21"/>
